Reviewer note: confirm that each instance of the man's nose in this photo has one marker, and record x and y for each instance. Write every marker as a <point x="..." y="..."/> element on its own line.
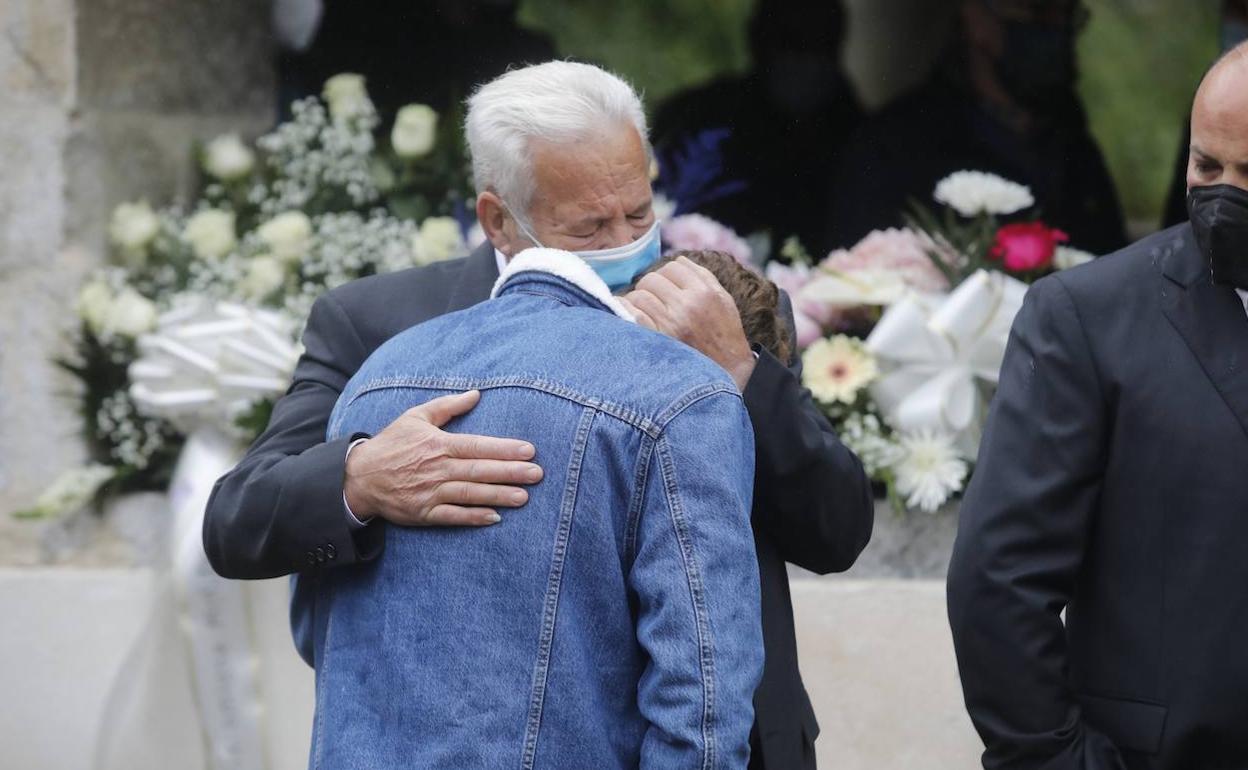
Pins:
<point x="619" y="233"/>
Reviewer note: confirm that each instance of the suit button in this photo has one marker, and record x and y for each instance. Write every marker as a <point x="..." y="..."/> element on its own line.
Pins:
<point x="331" y="551"/>
<point x="311" y="558"/>
<point x="320" y="554"/>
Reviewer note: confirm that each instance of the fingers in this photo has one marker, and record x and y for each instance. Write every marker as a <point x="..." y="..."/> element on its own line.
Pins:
<point x="460" y="516"/>
<point x="440" y="411"/>
<point x="473" y="495"/>
<point x="470" y="447"/>
<point x="652" y="307"/>
<point x="659" y="284"/>
<point x="682" y="272"/>
<point x="495" y="472"/>
<point x="699" y="272"/>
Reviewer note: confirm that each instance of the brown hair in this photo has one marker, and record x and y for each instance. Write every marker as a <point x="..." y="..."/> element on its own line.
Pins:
<point x="757" y="299"/>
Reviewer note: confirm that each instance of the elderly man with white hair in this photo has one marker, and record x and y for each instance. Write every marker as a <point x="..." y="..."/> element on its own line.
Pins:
<point x="561" y="160"/>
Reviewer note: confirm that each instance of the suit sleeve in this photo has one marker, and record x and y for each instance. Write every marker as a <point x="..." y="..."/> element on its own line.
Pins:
<point x="695" y="579"/>
<point x="1022" y="535"/>
<point x="812" y="494"/>
<point x="281" y="510"/>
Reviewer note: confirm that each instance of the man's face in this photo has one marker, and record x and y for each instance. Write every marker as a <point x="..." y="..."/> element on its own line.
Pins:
<point x="1219" y="152"/>
<point x="590" y="195"/>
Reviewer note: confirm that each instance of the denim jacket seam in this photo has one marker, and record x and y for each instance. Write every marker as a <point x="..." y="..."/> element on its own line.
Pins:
<point x="541" y="666"/>
<point x="633" y="520"/>
<point x="691" y="397"/>
<point x="693" y="580"/>
<point x="622" y="413"/>
<point x="323" y="667"/>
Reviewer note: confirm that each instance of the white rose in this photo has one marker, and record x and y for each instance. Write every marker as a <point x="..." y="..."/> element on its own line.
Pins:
<point x="227" y="158"/>
<point x="95" y="301"/>
<point x="131" y="314"/>
<point x="265" y="275"/>
<point x="439" y="238"/>
<point x="415" y="131"/>
<point x="972" y="193"/>
<point x="210" y="233"/>
<point x="288" y="235"/>
<point x="133" y="226"/>
<point x="346" y="97"/>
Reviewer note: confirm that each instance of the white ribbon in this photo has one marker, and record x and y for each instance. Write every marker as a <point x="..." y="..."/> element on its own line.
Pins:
<point x="940" y="357"/>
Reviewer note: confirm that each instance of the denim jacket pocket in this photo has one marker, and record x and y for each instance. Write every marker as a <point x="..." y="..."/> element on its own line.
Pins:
<point x="1131" y="725"/>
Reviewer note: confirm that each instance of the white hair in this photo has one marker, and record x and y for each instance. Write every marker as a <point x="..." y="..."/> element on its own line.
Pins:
<point x="558" y="101"/>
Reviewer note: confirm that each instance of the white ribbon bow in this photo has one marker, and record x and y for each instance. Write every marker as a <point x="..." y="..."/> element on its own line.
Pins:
<point x="940" y="357"/>
<point x="206" y="361"/>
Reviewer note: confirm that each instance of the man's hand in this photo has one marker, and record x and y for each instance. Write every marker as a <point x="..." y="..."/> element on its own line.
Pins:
<point x="415" y="474"/>
<point x="683" y="300"/>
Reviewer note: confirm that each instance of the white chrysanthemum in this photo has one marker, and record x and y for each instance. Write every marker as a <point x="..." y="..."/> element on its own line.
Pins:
<point x="95" y="301"/>
<point x="131" y="314"/>
<point x="972" y="193"/>
<point x="929" y="470"/>
<point x="346" y="96"/>
<point x="439" y="238"/>
<point x="210" y="233"/>
<point x="415" y="131"/>
<point x="133" y="225"/>
<point x="288" y="235"/>
<point x="837" y="369"/>
<point x="1065" y="258"/>
<point x="227" y="158"/>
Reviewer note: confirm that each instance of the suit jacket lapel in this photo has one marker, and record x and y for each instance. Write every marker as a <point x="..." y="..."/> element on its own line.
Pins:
<point x="479" y="273"/>
<point x="1210" y="319"/>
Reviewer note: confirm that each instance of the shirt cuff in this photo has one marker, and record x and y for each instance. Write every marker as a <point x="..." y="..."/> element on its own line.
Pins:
<point x="353" y="521"/>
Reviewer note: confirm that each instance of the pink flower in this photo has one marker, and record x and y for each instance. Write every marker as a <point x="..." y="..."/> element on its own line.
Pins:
<point x="692" y="232"/>
<point x="791" y="279"/>
<point x="1027" y="246"/>
<point x="902" y="252"/>
<point x="808" y="330"/>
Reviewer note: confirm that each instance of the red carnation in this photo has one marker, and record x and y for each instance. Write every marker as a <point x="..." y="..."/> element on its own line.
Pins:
<point x="1027" y="246"/>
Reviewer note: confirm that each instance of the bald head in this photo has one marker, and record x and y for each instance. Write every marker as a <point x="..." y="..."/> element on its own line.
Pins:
<point x="1219" y="153"/>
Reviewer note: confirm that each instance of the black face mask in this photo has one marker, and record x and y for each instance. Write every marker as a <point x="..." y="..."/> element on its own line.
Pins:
<point x="1219" y="216"/>
<point x="1038" y="67"/>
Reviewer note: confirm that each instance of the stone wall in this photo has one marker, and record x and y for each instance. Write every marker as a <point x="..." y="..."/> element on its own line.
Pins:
<point x="101" y="101"/>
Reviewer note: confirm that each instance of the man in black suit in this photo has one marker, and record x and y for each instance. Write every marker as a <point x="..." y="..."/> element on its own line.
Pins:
<point x="1113" y="484"/>
<point x="298" y="503"/>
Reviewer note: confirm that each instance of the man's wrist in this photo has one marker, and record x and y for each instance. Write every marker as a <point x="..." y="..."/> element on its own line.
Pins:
<point x="363" y="517"/>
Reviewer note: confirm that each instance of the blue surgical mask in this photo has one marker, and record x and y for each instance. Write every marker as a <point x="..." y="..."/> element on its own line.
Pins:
<point x="617" y="267"/>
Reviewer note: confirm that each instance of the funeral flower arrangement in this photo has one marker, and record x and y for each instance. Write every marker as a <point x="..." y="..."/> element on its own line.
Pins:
<point x="196" y="318"/>
<point x="903" y="334"/>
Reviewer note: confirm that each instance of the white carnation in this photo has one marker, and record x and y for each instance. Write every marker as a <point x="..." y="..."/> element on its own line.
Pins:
<point x="439" y="238"/>
<point x="972" y="193"/>
<point x="227" y="158"/>
<point x="288" y="235"/>
<point x="210" y="233"/>
<point x="415" y="131"/>
<point x="133" y="226"/>
<point x="265" y="275"/>
<point x="346" y="96"/>
<point x="929" y="470"/>
<point x="1065" y="258"/>
<point x="131" y="314"/>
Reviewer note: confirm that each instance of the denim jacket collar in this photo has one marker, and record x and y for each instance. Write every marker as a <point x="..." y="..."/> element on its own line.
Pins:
<point x="561" y="275"/>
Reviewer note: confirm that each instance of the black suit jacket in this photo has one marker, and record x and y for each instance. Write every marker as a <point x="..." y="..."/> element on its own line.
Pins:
<point x="1112" y="482"/>
<point x="281" y="509"/>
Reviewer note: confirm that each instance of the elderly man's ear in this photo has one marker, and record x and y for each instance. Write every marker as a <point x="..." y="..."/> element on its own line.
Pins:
<point x="499" y="226"/>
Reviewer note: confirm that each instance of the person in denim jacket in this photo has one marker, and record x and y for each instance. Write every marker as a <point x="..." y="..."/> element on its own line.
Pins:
<point x="610" y="622"/>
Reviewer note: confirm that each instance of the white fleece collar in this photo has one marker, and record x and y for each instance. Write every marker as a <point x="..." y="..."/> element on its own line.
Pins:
<point x="569" y="267"/>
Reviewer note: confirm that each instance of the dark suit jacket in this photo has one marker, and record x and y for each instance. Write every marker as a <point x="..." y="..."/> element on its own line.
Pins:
<point x="281" y="511"/>
<point x="1112" y="482"/>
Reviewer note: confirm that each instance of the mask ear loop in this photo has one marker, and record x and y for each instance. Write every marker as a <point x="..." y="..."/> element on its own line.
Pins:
<point x="524" y="229"/>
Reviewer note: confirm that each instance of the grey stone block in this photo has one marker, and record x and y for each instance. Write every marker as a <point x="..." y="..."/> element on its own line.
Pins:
<point x="175" y="56"/>
<point x="36" y="52"/>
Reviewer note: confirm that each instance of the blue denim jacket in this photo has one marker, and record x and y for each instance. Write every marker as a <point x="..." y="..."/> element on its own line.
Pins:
<point x="613" y="621"/>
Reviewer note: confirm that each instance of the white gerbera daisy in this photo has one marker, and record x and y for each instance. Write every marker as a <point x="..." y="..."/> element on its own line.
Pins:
<point x="837" y="369"/>
<point x="929" y="470"/>
<point x="972" y="193"/>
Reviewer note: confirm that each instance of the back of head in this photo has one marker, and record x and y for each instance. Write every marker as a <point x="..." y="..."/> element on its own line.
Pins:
<point x="757" y="299"/>
<point x="558" y="102"/>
